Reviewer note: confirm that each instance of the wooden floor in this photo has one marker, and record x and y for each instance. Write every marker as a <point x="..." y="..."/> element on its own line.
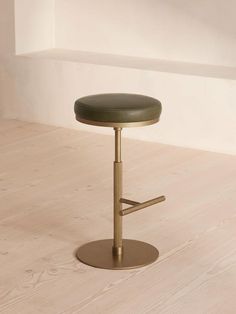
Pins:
<point x="56" y="194"/>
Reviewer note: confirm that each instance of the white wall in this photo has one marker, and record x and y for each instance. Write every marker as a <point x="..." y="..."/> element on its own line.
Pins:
<point x="198" y="111"/>
<point x="7" y="42"/>
<point x="145" y="28"/>
<point x="34" y="25"/>
<point x="7" y="50"/>
<point x="218" y="13"/>
<point x="170" y="30"/>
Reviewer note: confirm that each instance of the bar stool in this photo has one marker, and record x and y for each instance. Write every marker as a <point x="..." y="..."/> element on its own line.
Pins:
<point x="119" y="111"/>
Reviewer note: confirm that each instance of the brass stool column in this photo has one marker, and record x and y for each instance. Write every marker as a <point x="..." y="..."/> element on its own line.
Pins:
<point x="118" y="111"/>
<point x="117" y="244"/>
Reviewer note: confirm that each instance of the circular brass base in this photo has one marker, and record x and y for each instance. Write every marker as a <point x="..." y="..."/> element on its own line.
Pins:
<point x="99" y="254"/>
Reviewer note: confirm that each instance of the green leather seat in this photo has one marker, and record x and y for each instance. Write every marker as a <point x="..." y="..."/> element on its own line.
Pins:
<point x="118" y="110"/>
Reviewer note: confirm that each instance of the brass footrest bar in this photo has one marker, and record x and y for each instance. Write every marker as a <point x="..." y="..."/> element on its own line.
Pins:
<point x="139" y="206"/>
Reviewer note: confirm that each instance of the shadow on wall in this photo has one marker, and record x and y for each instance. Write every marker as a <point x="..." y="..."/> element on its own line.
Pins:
<point x="7" y="51"/>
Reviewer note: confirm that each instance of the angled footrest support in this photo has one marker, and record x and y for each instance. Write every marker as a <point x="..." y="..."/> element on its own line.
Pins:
<point x="137" y="206"/>
<point x="129" y="202"/>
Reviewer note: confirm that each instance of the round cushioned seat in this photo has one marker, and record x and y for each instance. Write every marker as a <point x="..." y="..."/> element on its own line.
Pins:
<point x="118" y="110"/>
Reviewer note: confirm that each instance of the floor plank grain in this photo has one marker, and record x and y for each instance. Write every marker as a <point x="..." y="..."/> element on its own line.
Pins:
<point x="56" y="194"/>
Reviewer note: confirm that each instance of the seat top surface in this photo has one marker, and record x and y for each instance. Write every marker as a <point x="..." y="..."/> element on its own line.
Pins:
<point x="114" y="109"/>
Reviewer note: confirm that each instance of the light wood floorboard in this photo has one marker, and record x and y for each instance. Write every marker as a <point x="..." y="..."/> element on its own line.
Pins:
<point x="56" y="194"/>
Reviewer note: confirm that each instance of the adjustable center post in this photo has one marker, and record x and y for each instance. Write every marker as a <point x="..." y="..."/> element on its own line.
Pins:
<point x="117" y="248"/>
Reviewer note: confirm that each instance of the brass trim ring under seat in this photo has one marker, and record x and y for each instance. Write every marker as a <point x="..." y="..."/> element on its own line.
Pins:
<point x="117" y="124"/>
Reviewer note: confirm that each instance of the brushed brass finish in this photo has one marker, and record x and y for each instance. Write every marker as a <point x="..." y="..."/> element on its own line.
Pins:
<point x="119" y="253"/>
<point x="134" y="208"/>
<point x="117" y="144"/>
<point x="129" y="202"/>
<point x="117" y="243"/>
<point x="135" y="254"/>
<point x="117" y="124"/>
